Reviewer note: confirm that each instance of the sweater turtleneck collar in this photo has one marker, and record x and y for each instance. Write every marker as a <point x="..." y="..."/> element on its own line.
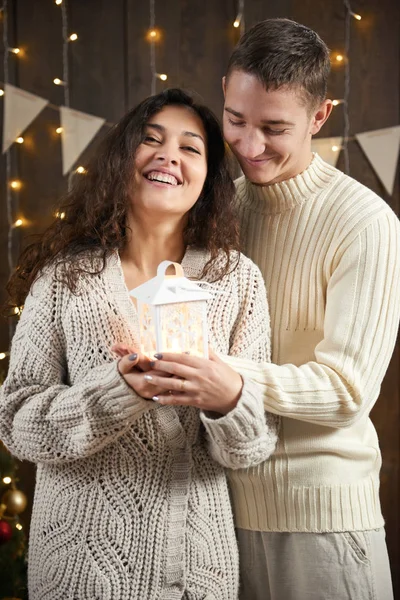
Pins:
<point x="279" y="197"/>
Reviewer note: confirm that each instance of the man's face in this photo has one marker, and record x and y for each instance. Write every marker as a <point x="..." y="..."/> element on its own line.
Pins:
<point x="268" y="132"/>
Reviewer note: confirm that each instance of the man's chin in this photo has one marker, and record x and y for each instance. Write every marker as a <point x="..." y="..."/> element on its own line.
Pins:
<point x="260" y="176"/>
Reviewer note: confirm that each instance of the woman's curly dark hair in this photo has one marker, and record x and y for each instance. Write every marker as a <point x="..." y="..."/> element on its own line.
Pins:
<point x="97" y="206"/>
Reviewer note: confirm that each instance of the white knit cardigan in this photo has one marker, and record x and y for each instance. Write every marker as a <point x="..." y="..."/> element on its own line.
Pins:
<point x="128" y="505"/>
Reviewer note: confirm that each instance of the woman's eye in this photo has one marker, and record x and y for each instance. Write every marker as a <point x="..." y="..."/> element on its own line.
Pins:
<point x="191" y="149"/>
<point x="235" y="123"/>
<point x="150" y="138"/>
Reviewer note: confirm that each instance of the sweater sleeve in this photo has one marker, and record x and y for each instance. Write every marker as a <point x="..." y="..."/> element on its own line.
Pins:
<point x="360" y="328"/>
<point x="42" y="419"/>
<point x="246" y="436"/>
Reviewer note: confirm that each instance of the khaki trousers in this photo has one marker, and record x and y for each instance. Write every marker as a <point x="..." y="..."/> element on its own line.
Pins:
<point x="314" y="566"/>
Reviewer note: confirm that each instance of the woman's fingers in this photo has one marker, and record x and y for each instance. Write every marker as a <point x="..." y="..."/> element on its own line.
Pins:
<point x="173" y="384"/>
<point x="127" y="363"/>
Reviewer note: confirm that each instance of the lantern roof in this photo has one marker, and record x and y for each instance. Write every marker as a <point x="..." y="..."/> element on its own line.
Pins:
<point x="168" y="289"/>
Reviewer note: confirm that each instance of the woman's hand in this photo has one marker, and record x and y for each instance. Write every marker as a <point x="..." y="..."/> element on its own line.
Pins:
<point x="207" y="384"/>
<point x="133" y="366"/>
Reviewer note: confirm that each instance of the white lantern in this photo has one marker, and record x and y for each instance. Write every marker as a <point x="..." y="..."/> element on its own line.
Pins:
<point x="172" y="313"/>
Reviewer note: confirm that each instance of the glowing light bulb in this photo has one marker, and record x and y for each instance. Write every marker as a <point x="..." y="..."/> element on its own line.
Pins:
<point x="59" y="130"/>
<point x="162" y="76"/>
<point x="81" y="170"/>
<point x="18" y="526"/>
<point x="58" y="81"/>
<point x="2" y="357"/>
<point x="16" y="310"/>
<point x="7" y="480"/>
<point x="15" y="184"/>
<point x="15" y="50"/>
<point x="20" y="140"/>
<point x="337" y="102"/>
<point x="58" y="2"/>
<point x="18" y="223"/>
<point x="1" y="92"/>
<point x="339" y="57"/>
<point x="335" y="148"/>
<point x="73" y="37"/>
<point x="356" y="16"/>
<point x="236" y="23"/>
<point x="153" y="35"/>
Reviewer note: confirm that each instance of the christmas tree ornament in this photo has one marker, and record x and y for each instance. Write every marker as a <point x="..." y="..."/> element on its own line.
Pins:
<point x="15" y="501"/>
<point x="5" y="532"/>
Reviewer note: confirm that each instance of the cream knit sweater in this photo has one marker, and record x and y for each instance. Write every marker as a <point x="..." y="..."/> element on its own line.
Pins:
<point x="329" y="250"/>
<point x="128" y="503"/>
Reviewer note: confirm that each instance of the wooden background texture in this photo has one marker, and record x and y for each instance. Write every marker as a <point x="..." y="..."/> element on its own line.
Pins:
<point x="110" y="72"/>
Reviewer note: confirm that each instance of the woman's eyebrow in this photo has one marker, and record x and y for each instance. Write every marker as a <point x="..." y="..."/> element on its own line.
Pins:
<point x="161" y="128"/>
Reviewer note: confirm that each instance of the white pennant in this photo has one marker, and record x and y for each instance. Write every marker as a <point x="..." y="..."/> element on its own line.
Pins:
<point x="20" y="109"/>
<point x="78" y="130"/>
<point x="327" y="148"/>
<point x="381" y="147"/>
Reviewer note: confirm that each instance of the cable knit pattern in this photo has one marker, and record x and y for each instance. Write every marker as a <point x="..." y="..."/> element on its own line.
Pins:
<point x="329" y="250"/>
<point x="128" y="503"/>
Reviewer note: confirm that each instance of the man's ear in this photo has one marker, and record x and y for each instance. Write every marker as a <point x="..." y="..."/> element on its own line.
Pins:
<point x="224" y="85"/>
<point x="320" y="116"/>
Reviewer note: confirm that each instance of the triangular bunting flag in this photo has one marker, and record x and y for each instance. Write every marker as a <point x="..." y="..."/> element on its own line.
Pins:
<point x="381" y="147"/>
<point x="20" y="109"/>
<point x="327" y="148"/>
<point x="78" y="130"/>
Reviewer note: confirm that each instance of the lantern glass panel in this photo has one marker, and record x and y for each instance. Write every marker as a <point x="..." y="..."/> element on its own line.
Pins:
<point x="147" y="320"/>
<point x="183" y="327"/>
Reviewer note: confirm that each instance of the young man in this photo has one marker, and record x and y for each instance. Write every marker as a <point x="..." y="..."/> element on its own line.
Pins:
<point x="309" y="519"/>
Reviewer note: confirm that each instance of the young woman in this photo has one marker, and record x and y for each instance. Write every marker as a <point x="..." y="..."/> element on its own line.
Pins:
<point x="128" y="502"/>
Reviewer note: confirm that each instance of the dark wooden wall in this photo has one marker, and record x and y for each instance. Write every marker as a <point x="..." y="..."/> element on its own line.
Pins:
<point x="110" y="72"/>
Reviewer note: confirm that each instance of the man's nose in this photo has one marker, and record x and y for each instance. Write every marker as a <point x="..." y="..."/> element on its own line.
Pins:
<point x="252" y="144"/>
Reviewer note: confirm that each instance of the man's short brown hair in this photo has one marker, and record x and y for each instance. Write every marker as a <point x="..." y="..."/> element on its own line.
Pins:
<point x="281" y="52"/>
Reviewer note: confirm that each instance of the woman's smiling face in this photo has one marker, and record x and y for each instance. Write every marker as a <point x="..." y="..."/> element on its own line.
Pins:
<point x="170" y="163"/>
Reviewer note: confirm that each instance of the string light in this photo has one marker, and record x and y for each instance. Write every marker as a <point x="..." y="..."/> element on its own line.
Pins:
<point x="58" y="2"/>
<point x="239" y="21"/>
<point x="339" y="58"/>
<point x="73" y="37"/>
<point x="15" y="184"/>
<point x="14" y="50"/>
<point x="17" y="310"/>
<point x="355" y="15"/>
<point x="58" y="81"/>
<point x="336" y="102"/>
<point x="153" y="35"/>
<point x="6" y="479"/>
<point x="162" y="76"/>
<point x="18" y="223"/>
<point x="59" y="130"/>
<point x="335" y="148"/>
<point x="1" y="92"/>
<point x="81" y="170"/>
<point x="19" y="526"/>
<point x="60" y="215"/>
<point x="20" y="140"/>
<point x="4" y="355"/>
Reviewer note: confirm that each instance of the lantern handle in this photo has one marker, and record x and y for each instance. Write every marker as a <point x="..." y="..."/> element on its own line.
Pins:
<point x="163" y="266"/>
